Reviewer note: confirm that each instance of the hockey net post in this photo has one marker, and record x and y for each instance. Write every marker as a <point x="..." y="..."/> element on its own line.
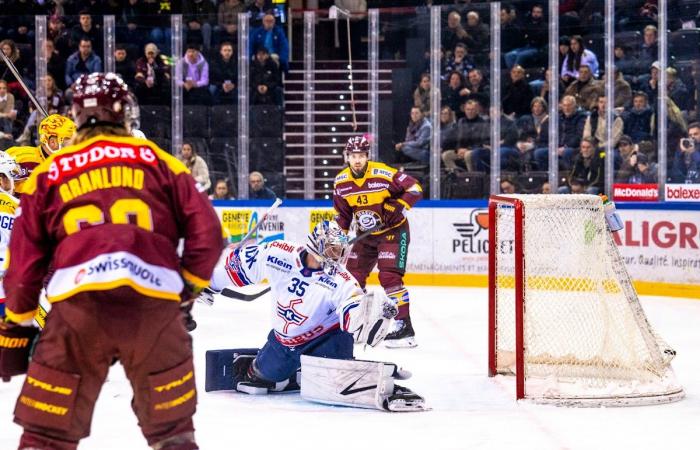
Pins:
<point x="564" y="317"/>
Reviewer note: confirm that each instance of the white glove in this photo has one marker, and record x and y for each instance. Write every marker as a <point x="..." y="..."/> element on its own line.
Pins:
<point x="206" y="297"/>
<point x="378" y="312"/>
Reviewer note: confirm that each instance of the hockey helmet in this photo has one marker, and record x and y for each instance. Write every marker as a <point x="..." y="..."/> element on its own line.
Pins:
<point x="328" y="243"/>
<point x="99" y="98"/>
<point x="56" y="125"/>
<point x="9" y="168"/>
<point x="358" y="144"/>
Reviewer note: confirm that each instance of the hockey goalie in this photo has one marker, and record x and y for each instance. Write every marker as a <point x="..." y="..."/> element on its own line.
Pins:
<point x="320" y="311"/>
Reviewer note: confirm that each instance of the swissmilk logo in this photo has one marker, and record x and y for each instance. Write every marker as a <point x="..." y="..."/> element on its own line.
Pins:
<point x="290" y="315"/>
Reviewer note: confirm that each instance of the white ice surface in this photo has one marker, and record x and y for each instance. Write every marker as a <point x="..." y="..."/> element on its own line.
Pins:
<point x="469" y="410"/>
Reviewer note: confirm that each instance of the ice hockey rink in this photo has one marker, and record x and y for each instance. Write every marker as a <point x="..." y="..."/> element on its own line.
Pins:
<point x="469" y="410"/>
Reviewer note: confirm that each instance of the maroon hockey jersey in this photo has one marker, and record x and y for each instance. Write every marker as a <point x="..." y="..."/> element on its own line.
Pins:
<point x="362" y="198"/>
<point x="106" y="213"/>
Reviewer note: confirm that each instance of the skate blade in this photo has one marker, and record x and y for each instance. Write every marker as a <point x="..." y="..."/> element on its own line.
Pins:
<point x="405" y="405"/>
<point x="407" y="342"/>
<point x="251" y="390"/>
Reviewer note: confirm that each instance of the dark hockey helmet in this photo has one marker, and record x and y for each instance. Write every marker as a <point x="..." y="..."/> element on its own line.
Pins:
<point x="99" y="98"/>
<point x="357" y="144"/>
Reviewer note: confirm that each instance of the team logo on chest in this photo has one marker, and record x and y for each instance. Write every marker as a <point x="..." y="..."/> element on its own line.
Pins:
<point x="367" y="219"/>
<point x="290" y="315"/>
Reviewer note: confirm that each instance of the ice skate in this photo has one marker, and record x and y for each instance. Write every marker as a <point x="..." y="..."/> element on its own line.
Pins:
<point x="402" y="336"/>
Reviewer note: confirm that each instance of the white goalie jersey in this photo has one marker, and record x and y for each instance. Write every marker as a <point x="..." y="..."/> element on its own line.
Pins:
<point x="306" y="303"/>
<point x="8" y="205"/>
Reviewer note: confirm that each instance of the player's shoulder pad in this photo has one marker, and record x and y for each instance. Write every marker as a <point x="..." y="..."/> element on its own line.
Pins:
<point x="281" y="255"/>
<point x="8" y="203"/>
<point x="344" y="175"/>
<point x="380" y="170"/>
<point x="23" y="153"/>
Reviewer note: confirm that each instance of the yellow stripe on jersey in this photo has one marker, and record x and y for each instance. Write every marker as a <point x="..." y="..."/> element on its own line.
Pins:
<point x="19" y="317"/>
<point x="194" y="279"/>
<point x="173" y="163"/>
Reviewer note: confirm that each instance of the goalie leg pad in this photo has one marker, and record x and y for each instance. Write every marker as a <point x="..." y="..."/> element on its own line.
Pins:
<point x="357" y="383"/>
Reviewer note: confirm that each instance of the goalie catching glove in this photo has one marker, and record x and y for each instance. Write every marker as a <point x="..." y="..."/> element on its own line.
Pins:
<point x="375" y="314"/>
<point x="16" y="343"/>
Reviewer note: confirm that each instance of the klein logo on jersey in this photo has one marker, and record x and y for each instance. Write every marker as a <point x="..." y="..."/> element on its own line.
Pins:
<point x="377" y="185"/>
<point x="329" y="281"/>
<point x="290" y="315"/>
<point x="282" y="246"/>
<point x="275" y="261"/>
<point x="382" y="172"/>
<point x="99" y="154"/>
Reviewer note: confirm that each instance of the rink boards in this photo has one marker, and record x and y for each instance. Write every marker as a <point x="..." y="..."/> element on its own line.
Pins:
<point x="449" y="240"/>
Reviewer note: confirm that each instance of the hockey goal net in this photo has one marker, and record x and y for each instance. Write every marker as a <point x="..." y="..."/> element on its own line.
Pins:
<point x="564" y="317"/>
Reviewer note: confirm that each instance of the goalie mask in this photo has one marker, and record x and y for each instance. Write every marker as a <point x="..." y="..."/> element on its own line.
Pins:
<point x="328" y="244"/>
<point x="57" y="126"/>
<point x="10" y="169"/>
<point x="100" y="98"/>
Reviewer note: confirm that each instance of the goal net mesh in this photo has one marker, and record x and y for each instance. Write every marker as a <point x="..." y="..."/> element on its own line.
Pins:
<point x="585" y="333"/>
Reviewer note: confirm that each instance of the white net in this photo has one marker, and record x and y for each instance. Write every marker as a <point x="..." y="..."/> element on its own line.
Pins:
<point x="586" y="337"/>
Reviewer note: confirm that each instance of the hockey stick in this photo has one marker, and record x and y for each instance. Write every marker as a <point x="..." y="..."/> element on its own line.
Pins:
<point x="364" y="234"/>
<point x="249" y="235"/>
<point x="13" y="69"/>
<point x="235" y="295"/>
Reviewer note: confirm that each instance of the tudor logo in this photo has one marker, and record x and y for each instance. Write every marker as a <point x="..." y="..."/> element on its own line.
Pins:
<point x="367" y="219"/>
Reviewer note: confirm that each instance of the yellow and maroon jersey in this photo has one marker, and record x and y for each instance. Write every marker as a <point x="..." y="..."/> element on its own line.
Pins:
<point x="106" y="213"/>
<point x="362" y="198"/>
<point x="27" y="158"/>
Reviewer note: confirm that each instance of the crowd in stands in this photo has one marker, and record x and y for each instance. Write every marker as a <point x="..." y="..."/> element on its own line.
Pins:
<point x="465" y="90"/>
<point x="142" y="56"/>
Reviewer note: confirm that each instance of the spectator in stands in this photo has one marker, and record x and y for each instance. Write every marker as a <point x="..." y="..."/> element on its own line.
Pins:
<point x="8" y="114"/>
<point x="196" y="165"/>
<point x="125" y="67"/>
<point x="542" y="86"/>
<point x="585" y="89"/>
<point x="460" y="62"/>
<point x="448" y="128"/>
<point x="152" y="78"/>
<point x="199" y="17"/>
<point x="258" y="190"/>
<point x="623" y="91"/>
<point x="644" y="171"/>
<point x="86" y="30"/>
<point x="577" y="56"/>
<point x="626" y="158"/>
<point x="11" y="51"/>
<point x="479" y="33"/>
<point x="507" y="186"/>
<point x="81" y="62"/>
<point x="265" y="79"/>
<point x="478" y="87"/>
<point x="571" y="122"/>
<point x="221" y="190"/>
<point x="677" y="90"/>
<point x="625" y="62"/>
<point x="227" y="21"/>
<point x="224" y="75"/>
<point x="509" y="154"/>
<point x="421" y="96"/>
<point x="55" y="64"/>
<point x="650" y="84"/>
<point x="526" y="146"/>
<point x="546" y="188"/>
<point x="273" y="38"/>
<point x="511" y="33"/>
<point x="638" y="119"/>
<point x="20" y="25"/>
<point x="595" y="124"/>
<point x="454" y="33"/>
<point x="195" y="76"/>
<point x="157" y="19"/>
<point x="517" y="94"/>
<point x="416" y="144"/>
<point x="677" y="127"/>
<point x="128" y="29"/>
<point x="454" y="93"/>
<point x="686" y="161"/>
<point x="471" y="134"/>
<point x="532" y="123"/>
<point x="257" y="10"/>
<point x="56" y="32"/>
<point x="535" y="39"/>
<point x="650" y="48"/>
<point x="587" y="169"/>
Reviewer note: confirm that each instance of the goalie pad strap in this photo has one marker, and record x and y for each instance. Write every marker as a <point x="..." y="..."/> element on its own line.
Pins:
<point x="363" y="384"/>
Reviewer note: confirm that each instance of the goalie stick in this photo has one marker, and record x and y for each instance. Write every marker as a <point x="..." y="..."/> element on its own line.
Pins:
<point x="252" y="231"/>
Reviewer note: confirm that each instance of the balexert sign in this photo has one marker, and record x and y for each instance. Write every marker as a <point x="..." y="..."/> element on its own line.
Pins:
<point x="683" y="192"/>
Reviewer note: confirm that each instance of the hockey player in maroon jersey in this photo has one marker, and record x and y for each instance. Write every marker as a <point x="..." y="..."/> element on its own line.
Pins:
<point x="106" y="213"/>
<point x="375" y="196"/>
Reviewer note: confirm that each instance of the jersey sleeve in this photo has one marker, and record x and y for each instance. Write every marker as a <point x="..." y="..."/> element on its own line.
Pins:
<point x="344" y="211"/>
<point x="243" y="266"/>
<point x="410" y="191"/>
<point x="349" y="296"/>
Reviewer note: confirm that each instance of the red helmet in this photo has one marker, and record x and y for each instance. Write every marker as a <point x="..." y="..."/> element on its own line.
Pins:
<point x="357" y="144"/>
<point x="99" y="98"/>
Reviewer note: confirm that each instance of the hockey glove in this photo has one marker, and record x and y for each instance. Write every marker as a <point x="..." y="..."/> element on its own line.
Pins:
<point x="392" y="212"/>
<point x="16" y="343"/>
<point x="207" y="296"/>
